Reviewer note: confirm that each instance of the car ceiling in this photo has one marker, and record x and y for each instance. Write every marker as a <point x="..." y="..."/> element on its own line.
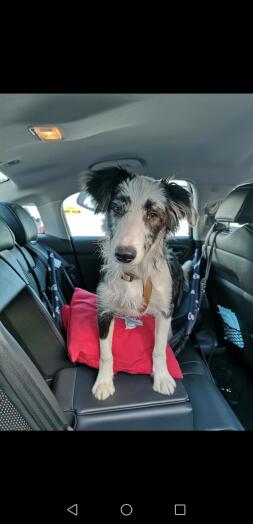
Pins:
<point x="205" y="138"/>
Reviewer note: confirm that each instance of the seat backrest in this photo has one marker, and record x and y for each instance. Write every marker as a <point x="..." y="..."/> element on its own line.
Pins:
<point x="26" y="401"/>
<point x="230" y="285"/>
<point x="34" y="258"/>
<point x="24" y="314"/>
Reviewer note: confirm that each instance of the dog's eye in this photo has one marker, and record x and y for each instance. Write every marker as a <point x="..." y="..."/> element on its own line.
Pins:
<point x="152" y="214"/>
<point x="117" y="210"/>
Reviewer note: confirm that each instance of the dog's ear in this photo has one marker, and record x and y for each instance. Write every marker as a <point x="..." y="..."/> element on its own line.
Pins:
<point x="101" y="184"/>
<point x="180" y="205"/>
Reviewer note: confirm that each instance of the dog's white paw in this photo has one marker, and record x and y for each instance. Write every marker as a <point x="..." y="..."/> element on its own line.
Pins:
<point x="103" y="390"/>
<point x="164" y="384"/>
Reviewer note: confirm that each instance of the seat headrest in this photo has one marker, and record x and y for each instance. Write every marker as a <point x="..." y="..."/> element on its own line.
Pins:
<point x="211" y="208"/>
<point x="7" y="239"/>
<point x="237" y="206"/>
<point x="19" y="221"/>
<point x="207" y="218"/>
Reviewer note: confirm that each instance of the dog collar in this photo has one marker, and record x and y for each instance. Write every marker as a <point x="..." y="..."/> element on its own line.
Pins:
<point x="128" y="277"/>
<point x="147" y="289"/>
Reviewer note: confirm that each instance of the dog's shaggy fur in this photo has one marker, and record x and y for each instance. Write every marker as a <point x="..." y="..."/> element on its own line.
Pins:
<point x="140" y="212"/>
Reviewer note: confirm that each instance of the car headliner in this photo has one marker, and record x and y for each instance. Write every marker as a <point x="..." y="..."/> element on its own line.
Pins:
<point x="205" y="138"/>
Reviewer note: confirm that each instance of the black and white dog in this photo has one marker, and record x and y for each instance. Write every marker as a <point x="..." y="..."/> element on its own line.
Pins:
<point x="139" y="273"/>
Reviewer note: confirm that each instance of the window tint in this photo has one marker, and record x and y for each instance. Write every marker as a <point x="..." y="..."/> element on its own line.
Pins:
<point x="82" y="221"/>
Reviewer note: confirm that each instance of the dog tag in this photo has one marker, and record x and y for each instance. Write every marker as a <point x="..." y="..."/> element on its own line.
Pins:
<point x="131" y="322"/>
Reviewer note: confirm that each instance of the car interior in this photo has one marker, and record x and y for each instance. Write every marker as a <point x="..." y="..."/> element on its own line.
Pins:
<point x="46" y="140"/>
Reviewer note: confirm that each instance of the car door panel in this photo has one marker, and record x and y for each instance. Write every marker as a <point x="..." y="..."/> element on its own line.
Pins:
<point x="183" y="247"/>
<point x="89" y="260"/>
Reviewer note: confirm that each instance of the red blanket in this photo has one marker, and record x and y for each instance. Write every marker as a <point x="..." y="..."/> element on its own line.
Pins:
<point x="132" y="348"/>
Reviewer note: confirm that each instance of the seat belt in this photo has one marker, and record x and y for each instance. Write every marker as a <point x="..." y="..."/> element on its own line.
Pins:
<point x="56" y="299"/>
<point x="64" y="266"/>
<point x="51" y="265"/>
<point x="42" y="291"/>
<point x="216" y="229"/>
<point x="26" y="389"/>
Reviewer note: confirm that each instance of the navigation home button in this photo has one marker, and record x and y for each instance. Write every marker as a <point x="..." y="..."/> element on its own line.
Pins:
<point x="126" y="510"/>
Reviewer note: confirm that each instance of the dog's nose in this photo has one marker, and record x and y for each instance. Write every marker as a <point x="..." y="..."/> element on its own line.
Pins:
<point x="125" y="254"/>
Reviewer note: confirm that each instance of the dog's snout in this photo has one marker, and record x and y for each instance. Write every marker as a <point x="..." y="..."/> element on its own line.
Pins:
<point x="125" y="254"/>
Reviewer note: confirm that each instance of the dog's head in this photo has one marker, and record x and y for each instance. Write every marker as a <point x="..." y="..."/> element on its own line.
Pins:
<point x="139" y="210"/>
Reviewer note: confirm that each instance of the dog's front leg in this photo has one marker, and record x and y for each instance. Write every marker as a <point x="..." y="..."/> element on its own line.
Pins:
<point x="103" y="386"/>
<point x="163" y="381"/>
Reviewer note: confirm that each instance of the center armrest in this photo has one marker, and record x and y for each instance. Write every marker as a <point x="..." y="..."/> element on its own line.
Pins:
<point x="134" y="404"/>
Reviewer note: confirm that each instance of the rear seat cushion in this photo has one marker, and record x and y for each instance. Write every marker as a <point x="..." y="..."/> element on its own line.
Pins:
<point x="134" y="406"/>
<point x="191" y="362"/>
<point x="196" y="404"/>
<point x="211" y="412"/>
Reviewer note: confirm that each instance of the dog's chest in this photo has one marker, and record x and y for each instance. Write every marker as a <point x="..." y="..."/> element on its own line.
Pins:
<point x="161" y="292"/>
<point x="127" y="297"/>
